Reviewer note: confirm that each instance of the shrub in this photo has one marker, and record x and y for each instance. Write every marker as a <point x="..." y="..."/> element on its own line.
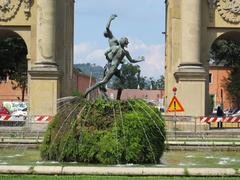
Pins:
<point x="107" y="132"/>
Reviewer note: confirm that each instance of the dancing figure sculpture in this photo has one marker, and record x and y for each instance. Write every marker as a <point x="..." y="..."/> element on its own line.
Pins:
<point x="115" y="56"/>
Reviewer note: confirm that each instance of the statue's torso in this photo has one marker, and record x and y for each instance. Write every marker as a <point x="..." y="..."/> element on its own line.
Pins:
<point x="113" y="42"/>
<point x="118" y="55"/>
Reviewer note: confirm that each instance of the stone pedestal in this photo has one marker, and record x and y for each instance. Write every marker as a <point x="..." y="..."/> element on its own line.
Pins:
<point x="192" y="90"/>
<point x="44" y="92"/>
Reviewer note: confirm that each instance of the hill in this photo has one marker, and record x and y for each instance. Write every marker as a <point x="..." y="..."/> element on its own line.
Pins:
<point x="87" y="68"/>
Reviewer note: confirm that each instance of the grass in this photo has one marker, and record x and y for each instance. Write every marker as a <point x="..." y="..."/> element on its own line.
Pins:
<point x="30" y="177"/>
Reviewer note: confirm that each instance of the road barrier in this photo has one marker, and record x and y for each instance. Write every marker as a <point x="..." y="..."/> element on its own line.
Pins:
<point x="220" y="119"/>
<point x="41" y="119"/>
<point x="202" y="127"/>
<point x="17" y="121"/>
<point x="8" y="118"/>
<point x="221" y="122"/>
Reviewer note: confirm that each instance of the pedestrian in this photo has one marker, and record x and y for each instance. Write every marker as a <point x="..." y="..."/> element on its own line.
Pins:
<point x="220" y="114"/>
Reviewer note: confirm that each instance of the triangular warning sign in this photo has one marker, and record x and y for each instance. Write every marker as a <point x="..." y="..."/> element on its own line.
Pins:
<point x="175" y="106"/>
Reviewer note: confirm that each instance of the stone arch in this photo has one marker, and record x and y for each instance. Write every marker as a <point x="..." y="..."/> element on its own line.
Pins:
<point x="23" y="32"/>
<point x="220" y="73"/>
<point x="13" y="86"/>
<point x="227" y="34"/>
<point x="230" y="35"/>
<point x="8" y="33"/>
<point x="5" y="33"/>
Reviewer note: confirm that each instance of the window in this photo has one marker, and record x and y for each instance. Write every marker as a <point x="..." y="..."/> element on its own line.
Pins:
<point x="210" y="77"/>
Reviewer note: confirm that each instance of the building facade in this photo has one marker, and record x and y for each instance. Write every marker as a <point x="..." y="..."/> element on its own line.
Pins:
<point x="83" y="81"/>
<point x="154" y="96"/>
<point x="218" y="76"/>
<point x="192" y="26"/>
<point x="46" y="26"/>
<point x="10" y="92"/>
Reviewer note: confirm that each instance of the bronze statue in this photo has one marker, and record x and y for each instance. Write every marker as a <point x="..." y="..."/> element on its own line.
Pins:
<point x="115" y="56"/>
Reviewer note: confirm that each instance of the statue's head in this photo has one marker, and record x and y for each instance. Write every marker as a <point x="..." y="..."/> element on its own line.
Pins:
<point x="123" y="42"/>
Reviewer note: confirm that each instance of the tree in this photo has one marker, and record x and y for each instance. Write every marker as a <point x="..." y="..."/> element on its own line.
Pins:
<point x="227" y="53"/>
<point x="142" y="82"/>
<point x="131" y="77"/>
<point x="13" y="62"/>
<point x="233" y="85"/>
<point x="156" y="84"/>
<point x="160" y="83"/>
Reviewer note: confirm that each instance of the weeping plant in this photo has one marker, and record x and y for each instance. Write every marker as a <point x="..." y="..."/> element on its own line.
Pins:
<point x="108" y="132"/>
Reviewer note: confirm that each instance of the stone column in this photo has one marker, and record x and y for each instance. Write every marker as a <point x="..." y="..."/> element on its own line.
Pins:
<point x="44" y="73"/>
<point x="46" y="28"/>
<point x="191" y="75"/>
<point x="191" y="32"/>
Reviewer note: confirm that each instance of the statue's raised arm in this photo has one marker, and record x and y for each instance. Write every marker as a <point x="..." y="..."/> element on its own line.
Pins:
<point x="108" y="33"/>
<point x="112" y="17"/>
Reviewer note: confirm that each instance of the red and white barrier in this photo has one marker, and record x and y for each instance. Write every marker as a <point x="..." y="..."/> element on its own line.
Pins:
<point x="42" y="119"/>
<point x="220" y="119"/>
<point x="33" y="119"/>
<point x="8" y="118"/>
<point x="5" y="118"/>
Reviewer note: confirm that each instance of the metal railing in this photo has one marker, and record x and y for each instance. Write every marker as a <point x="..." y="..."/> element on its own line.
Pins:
<point x="192" y="127"/>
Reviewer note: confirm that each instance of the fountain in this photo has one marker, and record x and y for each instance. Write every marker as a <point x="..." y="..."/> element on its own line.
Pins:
<point x="106" y="131"/>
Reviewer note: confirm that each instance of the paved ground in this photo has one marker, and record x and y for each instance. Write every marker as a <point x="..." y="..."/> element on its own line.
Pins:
<point x="224" y="144"/>
<point x="136" y="171"/>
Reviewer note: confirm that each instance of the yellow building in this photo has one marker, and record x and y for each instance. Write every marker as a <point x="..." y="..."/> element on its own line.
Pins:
<point x="46" y="26"/>
<point x="192" y="26"/>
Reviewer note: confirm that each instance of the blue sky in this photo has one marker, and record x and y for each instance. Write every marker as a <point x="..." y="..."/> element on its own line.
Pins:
<point x="142" y="21"/>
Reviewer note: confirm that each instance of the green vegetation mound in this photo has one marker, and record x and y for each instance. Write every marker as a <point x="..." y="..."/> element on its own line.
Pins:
<point x="107" y="132"/>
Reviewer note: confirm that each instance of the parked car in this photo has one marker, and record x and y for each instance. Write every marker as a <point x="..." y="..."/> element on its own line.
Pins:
<point x="22" y="112"/>
<point x="4" y="111"/>
<point x="214" y="111"/>
<point x="233" y="111"/>
<point x="237" y="114"/>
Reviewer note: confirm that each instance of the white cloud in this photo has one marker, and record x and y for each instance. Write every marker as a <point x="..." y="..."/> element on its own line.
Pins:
<point x="96" y="54"/>
<point x="88" y="52"/>
<point x="82" y="49"/>
<point x="154" y="57"/>
<point x="153" y="53"/>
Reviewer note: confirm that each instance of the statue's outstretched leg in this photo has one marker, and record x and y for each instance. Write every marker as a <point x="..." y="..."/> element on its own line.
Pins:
<point x="118" y="73"/>
<point x="101" y="83"/>
<point x="102" y="92"/>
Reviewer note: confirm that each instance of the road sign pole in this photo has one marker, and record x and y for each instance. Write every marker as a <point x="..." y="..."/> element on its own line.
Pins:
<point x="175" y="106"/>
<point x="175" y="114"/>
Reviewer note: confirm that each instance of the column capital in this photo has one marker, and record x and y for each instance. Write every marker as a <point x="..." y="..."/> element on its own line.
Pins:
<point x="191" y="74"/>
<point x="45" y="74"/>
